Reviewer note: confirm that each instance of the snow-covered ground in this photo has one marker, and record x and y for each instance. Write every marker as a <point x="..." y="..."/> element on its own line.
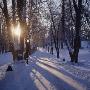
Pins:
<point x="6" y="58"/>
<point x="81" y="69"/>
<point x="46" y="72"/>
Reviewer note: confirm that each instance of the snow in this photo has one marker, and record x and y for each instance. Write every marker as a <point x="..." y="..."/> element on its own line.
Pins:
<point x="46" y="72"/>
<point x="3" y="71"/>
<point x="80" y="70"/>
<point x="6" y="58"/>
<point x="85" y="44"/>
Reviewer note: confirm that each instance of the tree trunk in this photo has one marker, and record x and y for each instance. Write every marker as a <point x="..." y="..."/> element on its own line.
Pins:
<point x="74" y="56"/>
<point x="77" y="41"/>
<point x="7" y="20"/>
<point x="21" y="9"/>
<point x="57" y="50"/>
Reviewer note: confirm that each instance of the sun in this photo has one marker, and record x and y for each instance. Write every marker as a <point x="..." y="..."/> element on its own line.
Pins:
<point x="17" y="30"/>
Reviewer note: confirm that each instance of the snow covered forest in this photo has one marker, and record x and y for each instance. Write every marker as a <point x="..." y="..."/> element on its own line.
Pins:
<point x="45" y="44"/>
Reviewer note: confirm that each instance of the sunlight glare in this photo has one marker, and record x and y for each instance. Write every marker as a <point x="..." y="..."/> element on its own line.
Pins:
<point x="17" y="31"/>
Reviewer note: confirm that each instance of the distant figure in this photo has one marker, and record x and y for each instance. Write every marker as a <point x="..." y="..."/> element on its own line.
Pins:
<point x="51" y="51"/>
<point x="26" y="54"/>
<point x="48" y="48"/>
<point x="27" y="51"/>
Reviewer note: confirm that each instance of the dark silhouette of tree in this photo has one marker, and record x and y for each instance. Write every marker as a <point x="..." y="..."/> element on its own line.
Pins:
<point x="7" y="21"/>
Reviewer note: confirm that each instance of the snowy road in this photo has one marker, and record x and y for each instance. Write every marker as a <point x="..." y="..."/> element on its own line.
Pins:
<point x="39" y="74"/>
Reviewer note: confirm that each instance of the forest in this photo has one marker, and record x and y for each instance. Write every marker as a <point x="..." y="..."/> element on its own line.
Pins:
<point x="46" y="23"/>
<point x="44" y="44"/>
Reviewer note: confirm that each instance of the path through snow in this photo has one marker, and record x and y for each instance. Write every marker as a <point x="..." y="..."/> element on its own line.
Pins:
<point x="42" y="73"/>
